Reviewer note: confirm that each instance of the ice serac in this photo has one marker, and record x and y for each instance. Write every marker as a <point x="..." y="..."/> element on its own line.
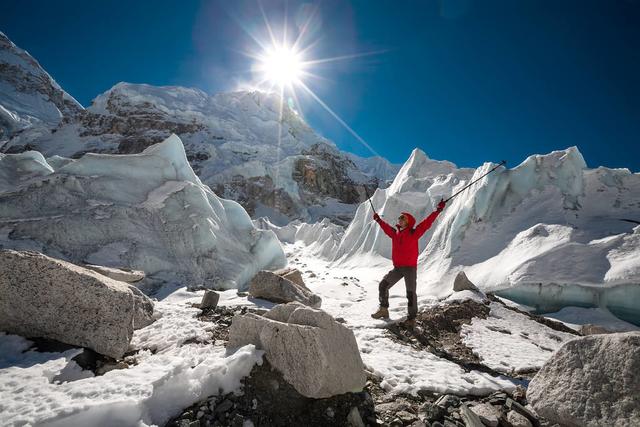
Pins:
<point x="146" y="211"/>
<point x="549" y="232"/>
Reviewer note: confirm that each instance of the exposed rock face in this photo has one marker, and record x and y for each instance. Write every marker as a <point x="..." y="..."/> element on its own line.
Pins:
<point x="275" y="288"/>
<point x="246" y="146"/>
<point x="318" y="356"/>
<point x="28" y="95"/>
<point x="45" y="297"/>
<point x="591" y="381"/>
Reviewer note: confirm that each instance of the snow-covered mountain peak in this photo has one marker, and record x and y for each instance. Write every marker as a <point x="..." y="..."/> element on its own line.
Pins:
<point x="28" y="94"/>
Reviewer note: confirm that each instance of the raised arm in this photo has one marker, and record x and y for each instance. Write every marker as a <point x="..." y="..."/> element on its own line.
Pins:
<point x="388" y="230"/>
<point x="426" y="223"/>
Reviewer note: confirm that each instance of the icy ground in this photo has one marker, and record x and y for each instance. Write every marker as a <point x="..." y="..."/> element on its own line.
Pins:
<point x="176" y="364"/>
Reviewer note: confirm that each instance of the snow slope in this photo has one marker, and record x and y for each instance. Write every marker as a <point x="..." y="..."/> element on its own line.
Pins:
<point x="145" y="211"/>
<point x="28" y="95"/>
<point x="548" y="233"/>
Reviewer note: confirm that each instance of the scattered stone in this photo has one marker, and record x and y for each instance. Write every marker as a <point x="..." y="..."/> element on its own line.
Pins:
<point x="591" y="380"/>
<point x="316" y="354"/>
<point x="515" y="406"/>
<point x="354" y="419"/>
<point x="406" y="417"/>
<point x="45" y="297"/>
<point x="209" y="300"/>
<point x="488" y="414"/>
<point x="518" y="420"/>
<point x="271" y="287"/>
<point x="462" y="283"/>
<point x="448" y="400"/>
<point x="224" y="406"/>
<point x="469" y="417"/>
<point x="120" y="274"/>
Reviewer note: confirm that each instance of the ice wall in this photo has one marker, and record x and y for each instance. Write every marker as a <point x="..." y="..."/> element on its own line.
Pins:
<point x="548" y="221"/>
<point x="145" y="211"/>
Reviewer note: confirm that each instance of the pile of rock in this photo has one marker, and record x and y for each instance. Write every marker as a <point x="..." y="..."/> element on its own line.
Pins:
<point x="268" y="400"/>
<point x="316" y="354"/>
<point x="49" y="298"/>
<point x="283" y="286"/>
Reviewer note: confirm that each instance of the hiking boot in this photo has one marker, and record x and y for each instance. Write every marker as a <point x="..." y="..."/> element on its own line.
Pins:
<point x="383" y="312"/>
<point x="409" y="323"/>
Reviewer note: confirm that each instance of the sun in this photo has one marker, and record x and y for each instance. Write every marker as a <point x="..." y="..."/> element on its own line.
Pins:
<point x="281" y="66"/>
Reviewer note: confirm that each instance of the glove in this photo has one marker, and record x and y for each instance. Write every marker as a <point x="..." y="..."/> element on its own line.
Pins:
<point x="376" y="217"/>
<point x="441" y="205"/>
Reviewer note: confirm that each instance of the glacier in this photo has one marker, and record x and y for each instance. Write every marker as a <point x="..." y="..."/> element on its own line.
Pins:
<point x="146" y="211"/>
<point x="548" y="233"/>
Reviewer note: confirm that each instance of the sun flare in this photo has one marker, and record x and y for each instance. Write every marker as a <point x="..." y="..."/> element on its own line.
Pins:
<point x="281" y="66"/>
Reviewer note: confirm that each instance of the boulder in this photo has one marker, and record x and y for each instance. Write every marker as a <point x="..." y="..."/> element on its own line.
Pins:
<point x="590" y="329"/>
<point x="45" y="297"/>
<point x="210" y="300"/>
<point x="120" y="274"/>
<point x="292" y="274"/>
<point x="591" y="380"/>
<point x="318" y="356"/>
<point x="272" y="287"/>
<point x="462" y="283"/>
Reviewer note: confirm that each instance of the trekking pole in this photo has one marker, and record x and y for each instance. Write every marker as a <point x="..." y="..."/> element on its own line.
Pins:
<point x="367" y="193"/>
<point x="504" y="162"/>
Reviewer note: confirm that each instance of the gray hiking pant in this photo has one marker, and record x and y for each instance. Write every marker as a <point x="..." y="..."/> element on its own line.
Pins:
<point x="391" y="278"/>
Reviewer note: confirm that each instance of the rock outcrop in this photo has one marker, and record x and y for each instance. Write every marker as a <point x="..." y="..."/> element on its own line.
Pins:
<point x="591" y="381"/>
<point x="318" y="356"/>
<point x="273" y="287"/>
<point x="45" y="297"/>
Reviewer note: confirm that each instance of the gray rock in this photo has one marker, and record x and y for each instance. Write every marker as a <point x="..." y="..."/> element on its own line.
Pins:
<point x="448" y="400"/>
<point x="45" y="297"/>
<point x="120" y="274"/>
<point x="469" y="417"/>
<point x="318" y="356"/>
<point x="354" y="419"/>
<point x="590" y="329"/>
<point x="462" y="283"/>
<point x="292" y="274"/>
<point x="209" y="299"/>
<point x="591" y="380"/>
<point x="488" y="414"/>
<point x="516" y="419"/>
<point x="270" y="286"/>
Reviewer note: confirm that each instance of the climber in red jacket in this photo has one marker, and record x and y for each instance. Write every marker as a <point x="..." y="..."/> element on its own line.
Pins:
<point x="404" y="254"/>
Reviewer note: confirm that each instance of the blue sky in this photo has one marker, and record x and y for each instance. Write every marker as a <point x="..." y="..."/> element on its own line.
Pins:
<point x="467" y="81"/>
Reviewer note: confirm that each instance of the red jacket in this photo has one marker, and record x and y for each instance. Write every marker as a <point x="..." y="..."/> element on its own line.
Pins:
<point x="404" y="243"/>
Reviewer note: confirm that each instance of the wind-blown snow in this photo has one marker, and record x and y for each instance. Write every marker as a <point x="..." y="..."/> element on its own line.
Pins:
<point x="146" y="211"/>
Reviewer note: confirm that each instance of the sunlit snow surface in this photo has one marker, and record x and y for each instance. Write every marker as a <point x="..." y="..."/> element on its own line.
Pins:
<point x="171" y="375"/>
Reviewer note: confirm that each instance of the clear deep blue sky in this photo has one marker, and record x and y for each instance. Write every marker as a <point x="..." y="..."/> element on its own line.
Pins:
<point x="466" y="81"/>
